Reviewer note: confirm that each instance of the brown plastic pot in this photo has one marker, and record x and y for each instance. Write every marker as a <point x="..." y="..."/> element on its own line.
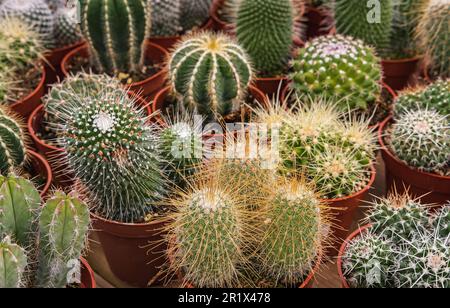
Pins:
<point x="217" y="23"/>
<point x="24" y="107"/>
<point x="271" y="85"/>
<point x="87" y="275"/>
<point x="135" y="252"/>
<point x="146" y="87"/>
<point x="398" y="73"/>
<point x="54" y="59"/>
<point x="355" y="234"/>
<point x="428" y="187"/>
<point x="39" y="166"/>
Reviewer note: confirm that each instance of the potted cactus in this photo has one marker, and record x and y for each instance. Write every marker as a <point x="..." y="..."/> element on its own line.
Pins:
<point x="111" y="48"/>
<point x="404" y="247"/>
<point x="416" y="143"/>
<point x="42" y="247"/>
<point x="172" y="19"/>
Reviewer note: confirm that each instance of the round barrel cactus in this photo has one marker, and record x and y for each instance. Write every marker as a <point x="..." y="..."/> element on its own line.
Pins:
<point x="13" y="262"/>
<point x="441" y="221"/>
<point x="67" y="31"/>
<point x="210" y="73"/>
<point x="340" y="69"/>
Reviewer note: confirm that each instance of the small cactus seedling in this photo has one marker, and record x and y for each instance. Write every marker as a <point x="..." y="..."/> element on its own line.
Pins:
<point x="12" y="142"/>
<point x="421" y="138"/>
<point x="368" y="261"/>
<point x="340" y="69"/>
<point x="210" y="73"/>
<point x="13" y="262"/>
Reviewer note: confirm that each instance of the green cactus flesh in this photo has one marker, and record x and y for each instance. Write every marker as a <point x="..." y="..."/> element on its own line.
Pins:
<point x="13" y="261"/>
<point x="12" y="143"/>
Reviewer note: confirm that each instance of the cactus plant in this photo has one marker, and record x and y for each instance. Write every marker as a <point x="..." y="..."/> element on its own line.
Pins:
<point x="432" y="34"/>
<point x="117" y="43"/>
<point x="194" y="13"/>
<point x="368" y="261"/>
<point x="441" y="221"/>
<point x="67" y="31"/>
<point x="210" y="73"/>
<point x="13" y="261"/>
<point x="435" y="96"/>
<point x="338" y="68"/>
<point x="421" y="138"/>
<point x="12" y="142"/>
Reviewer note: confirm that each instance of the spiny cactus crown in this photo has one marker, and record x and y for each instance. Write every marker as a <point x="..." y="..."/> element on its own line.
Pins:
<point x="210" y="73"/>
<point x="338" y="68"/>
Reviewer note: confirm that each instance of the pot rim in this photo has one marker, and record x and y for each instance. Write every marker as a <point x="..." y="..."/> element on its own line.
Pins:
<point x="39" y="87"/>
<point x="402" y="60"/>
<point x="123" y="224"/>
<point x="90" y="272"/>
<point x="48" y="171"/>
<point x="64" y="49"/>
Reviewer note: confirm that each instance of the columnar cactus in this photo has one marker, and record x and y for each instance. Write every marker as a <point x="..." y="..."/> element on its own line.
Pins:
<point x="368" y="261"/>
<point x="265" y="29"/>
<point x="338" y="68"/>
<point x="115" y="31"/>
<point x="421" y="138"/>
<point x="369" y="21"/>
<point x="432" y="33"/>
<point x="13" y="262"/>
<point x="12" y="142"/>
<point x="210" y="73"/>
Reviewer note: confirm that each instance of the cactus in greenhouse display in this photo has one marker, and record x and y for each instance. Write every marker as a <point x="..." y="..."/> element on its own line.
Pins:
<point x="433" y="36"/>
<point x="340" y="69"/>
<point x="209" y="73"/>
<point x="368" y="261"/>
<point x="13" y="262"/>
<point x="67" y="31"/>
<point x="13" y="150"/>
<point x="421" y="138"/>
<point x="116" y="38"/>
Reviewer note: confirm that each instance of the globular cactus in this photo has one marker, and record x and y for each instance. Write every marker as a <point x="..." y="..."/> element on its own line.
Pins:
<point x="338" y="68"/>
<point x="19" y="203"/>
<point x="13" y="150"/>
<point x="265" y="29"/>
<point x="63" y="226"/>
<point x="55" y="5"/>
<point x="421" y="138"/>
<point x="441" y="221"/>
<point x="210" y="73"/>
<point x="67" y="31"/>
<point x="194" y="13"/>
<point x="293" y="234"/>
<point x="34" y="13"/>
<point x="397" y="217"/>
<point x="435" y="96"/>
<point x="13" y="262"/>
<point x="115" y="31"/>
<point x="432" y="35"/>
<point x="370" y="21"/>
<point x="368" y="261"/>
<point x="114" y="153"/>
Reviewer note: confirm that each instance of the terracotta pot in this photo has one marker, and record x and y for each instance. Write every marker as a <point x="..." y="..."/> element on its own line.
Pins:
<point x="135" y="252"/>
<point x="317" y="23"/>
<point x="54" y="59"/>
<point x="217" y="23"/>
<point x="398" y="73"/>
<point x="343" y="213"/>
<point x="428" y="187"/>
<point x="25" y="106"/>
<point x="39" y="166"/>
<point x="87" y="275"/>
<point x="272" y="85"/>
<point x="355" y="234"/>
<point x="146" y="87"/>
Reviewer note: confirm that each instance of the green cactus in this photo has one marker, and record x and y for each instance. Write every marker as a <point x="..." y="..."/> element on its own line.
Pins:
<point x="368" y="261"/>
<point x="115" y="31"/>
<point x="435" y="96"/>
<point x="369" y="21"/>
<point x="433" y="36"/>
<point x="265" y="29"/>
<point x="12" y="142"/>
<point x="67" y="31"/>
<point x="292" y="237"/>
<point x="421" y="138"/>
<point x="339" y="69"/>
<point x="13" y="261"/>
<point x="441" y="221"/>
<point x="210" y="73"/>
<point x="64" y="223"/>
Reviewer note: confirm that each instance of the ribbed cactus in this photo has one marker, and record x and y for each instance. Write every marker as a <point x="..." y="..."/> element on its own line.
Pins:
<point x="370" y="21"/>
<point x="421" y="138"/>
<point x="368" y="261"/>
<point x="115" y="31"/>
<point x="194" y="13"/>
<point x="441" y="221"/>
<point x="67" y="31"/>
<point x="210" y="73"/>
<point x="113" y="152"/>
<point x="34" y="13"/>
<point x="13" y="262"/>
<point x="433" y="36"/>
<point x="265" y="29"/>
<point x="63" y="226"/>
<point x="12" y="142"/>
<point x="435" y="96"/>
<point x="338" y="68"/>
<point x="292" y="238"/>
